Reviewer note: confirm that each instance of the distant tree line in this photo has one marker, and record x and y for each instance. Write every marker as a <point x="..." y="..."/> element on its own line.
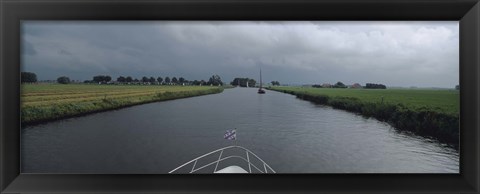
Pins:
<point x="355" y="85"/>
<point x="105" y="79"/>
<point x="242" y="82"/>
<point x="29" y="77"/>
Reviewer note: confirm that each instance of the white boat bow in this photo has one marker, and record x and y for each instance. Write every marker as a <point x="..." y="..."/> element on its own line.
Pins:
<point x="263" y="167"/>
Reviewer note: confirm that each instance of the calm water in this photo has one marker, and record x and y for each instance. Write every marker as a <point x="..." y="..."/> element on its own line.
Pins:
<point x="292" y="135"/>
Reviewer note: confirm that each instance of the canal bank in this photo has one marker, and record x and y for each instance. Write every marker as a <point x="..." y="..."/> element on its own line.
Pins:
<point x="425" y="122"/>
<point x="65" y="102"/>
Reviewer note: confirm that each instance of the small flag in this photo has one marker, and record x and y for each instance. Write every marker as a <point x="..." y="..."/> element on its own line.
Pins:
<point x="230" y="135"/>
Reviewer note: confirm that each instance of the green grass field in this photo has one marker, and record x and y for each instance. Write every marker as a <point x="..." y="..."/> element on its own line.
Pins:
<point x="443" y="101"/>
<point x="432" y="113"/>
<point x="44" y="102"/>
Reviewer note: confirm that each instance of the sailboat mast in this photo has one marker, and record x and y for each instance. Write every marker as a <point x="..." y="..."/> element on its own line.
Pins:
<point x="260" y="78"/>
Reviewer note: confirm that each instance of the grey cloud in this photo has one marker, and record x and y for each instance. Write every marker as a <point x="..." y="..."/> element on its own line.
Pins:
<point x="64" y="52"/>
<point x="394" y="53"/>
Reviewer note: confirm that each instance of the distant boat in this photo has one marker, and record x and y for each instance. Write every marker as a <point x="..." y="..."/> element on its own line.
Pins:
<point x="260" y="90"/>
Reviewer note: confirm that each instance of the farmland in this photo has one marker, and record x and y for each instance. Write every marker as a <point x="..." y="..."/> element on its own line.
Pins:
<point x="445" y="101"/>
<point x="44" y="102"/>
<point x="428" y="112"/>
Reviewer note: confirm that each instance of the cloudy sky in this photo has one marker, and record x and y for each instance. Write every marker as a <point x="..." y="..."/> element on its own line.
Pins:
<point x="423" y="54"/>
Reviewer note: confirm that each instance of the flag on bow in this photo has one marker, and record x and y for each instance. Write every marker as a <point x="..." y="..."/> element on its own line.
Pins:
<point x="230" y="134"/>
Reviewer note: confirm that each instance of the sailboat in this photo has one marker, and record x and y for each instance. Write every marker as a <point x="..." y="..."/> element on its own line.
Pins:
<point x="260" y="90"/>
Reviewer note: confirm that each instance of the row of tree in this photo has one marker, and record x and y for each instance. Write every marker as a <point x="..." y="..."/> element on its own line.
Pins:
<point x="29" y="77"/>
<point x="104" y="79"/>
<point x="355" y="85"/>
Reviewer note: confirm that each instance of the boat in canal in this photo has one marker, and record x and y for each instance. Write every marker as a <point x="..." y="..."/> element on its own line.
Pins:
<point x="260" y="90"/>
<point x="238" y="158"/>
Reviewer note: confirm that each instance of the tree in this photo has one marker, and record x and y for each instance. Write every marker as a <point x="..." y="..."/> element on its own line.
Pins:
<point x="98" y="78"/>
<point x="375" y="86"/>
<point x="129" y="79"/>
<point x="63" y="80"/>
<point x="251" y="83"/>
<point x="145" y="79"/>
<point x="152" y="80"/>
<point x="196" y="82"/>
<point x="174" y="80"/>
<point x="237" y="82"/>
<point x="167" y="80"/>
<point x="28" y="77"/>
<point x="181" y="80"/>
<point x="121" y="79"/>
<point x="136" y="80"/>
<point x="159" y="79"/>
<point x="242" y="82"/>
<point x="339" y="85"/>
<point x="215" y="80"/>
<point x="457" y="87"/>
<point x="275" y="83"/>
<point x="102" y="78"/>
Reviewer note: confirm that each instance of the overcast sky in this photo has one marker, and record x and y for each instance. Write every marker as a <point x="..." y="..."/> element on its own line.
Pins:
<point x="424" y="54"/>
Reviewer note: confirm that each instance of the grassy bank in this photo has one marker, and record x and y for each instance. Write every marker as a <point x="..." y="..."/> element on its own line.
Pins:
<point x="46" y="102"/>
<point x="432" y="113"/>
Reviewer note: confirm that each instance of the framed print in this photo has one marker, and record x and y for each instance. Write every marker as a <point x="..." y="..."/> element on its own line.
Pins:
<point x="239" y="96"/>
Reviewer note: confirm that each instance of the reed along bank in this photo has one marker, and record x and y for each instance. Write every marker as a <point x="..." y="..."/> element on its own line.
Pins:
<point x="47" y="102"/>
<point x="430" y="113"/>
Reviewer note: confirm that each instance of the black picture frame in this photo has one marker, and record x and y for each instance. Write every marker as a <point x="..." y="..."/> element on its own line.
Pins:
<point x="465" y="11"/>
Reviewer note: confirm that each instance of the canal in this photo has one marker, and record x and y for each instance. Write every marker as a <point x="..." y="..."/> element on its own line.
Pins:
<point x="291" y="135"/>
